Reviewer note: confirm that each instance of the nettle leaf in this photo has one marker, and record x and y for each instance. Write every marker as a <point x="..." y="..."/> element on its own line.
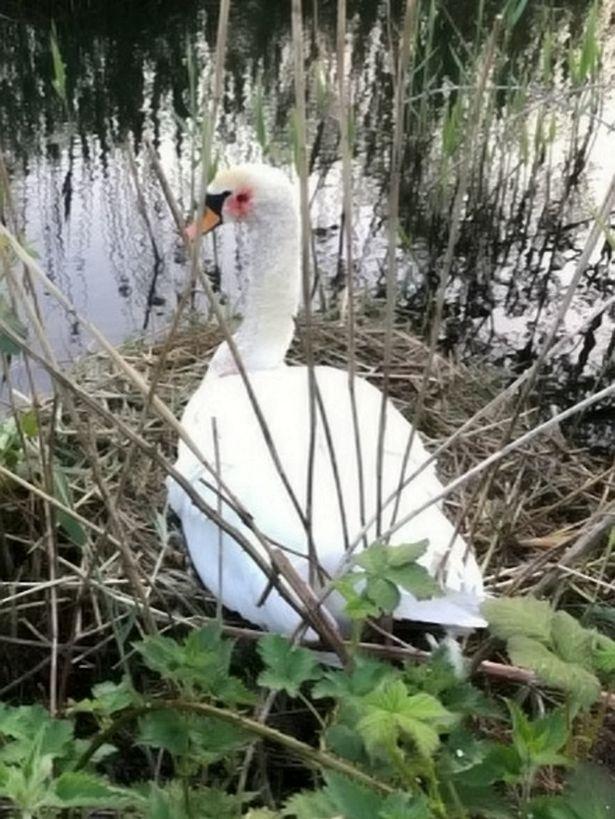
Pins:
<point x="311" y="805"/>
<point x="366" y="675"/>
<point x="353" y="801"/>
<point x="383" y="593"/>
<point x="539" y="742"/>
<point x="406" y="553"/>
<point x="166" y="729"/>
<point x="345" y="742"/>
<point x="404" y="806"/>
<point x="24" y="722"/>
<point x="204" y="738"/>
<point x="463" y="752"/>
<point x="109" y="697"/>
<point x="603" y="655"/>
<point x="571" y="641"/>
<point x="508" y="616"/>
<point x="172" y="802"/>
<point x="416" y="580"/>
<point x="591" y="793"/>
<point x="467" y="699"/>
<point x="386" y="570"/>
<point x="166" y="804"/>
<point x="76" y="789"/>
<point x="161" y="654"/>
<point x="214" y="739"/>
<point x="551" y="670"/>
<point x="287" y="666"/>
<point x="485" y="802"/>
<point x="390" y="713"/>
<point x="374" y="559"/>
<point x="200" y="664"/>
<point x="358" y="606"/>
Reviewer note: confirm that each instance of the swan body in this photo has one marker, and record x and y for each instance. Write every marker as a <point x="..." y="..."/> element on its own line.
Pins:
<point x="264" y="199"/>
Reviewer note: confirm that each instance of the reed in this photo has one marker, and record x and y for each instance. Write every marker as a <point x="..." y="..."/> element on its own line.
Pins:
<point x="88" y="555"/>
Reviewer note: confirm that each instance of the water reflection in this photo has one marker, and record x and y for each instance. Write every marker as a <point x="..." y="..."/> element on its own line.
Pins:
<point x="127" y="78"/>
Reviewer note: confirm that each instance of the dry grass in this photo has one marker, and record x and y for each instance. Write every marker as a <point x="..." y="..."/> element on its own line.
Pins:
<point x="544" y="499"/>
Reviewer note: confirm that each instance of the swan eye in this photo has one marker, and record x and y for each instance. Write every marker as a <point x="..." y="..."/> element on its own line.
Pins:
<point x="240" y="204"/>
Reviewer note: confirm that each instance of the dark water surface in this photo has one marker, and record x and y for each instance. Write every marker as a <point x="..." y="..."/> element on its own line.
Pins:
<point x="127" y="71"/>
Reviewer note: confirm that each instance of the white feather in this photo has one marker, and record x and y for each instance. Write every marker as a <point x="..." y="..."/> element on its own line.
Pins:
<point x="247" y="468"/>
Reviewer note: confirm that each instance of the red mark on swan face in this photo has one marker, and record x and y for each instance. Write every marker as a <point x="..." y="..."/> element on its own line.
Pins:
<point x="239" y="204"/>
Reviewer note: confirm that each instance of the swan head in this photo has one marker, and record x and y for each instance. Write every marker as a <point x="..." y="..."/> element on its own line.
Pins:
<point x="250" y="194"/>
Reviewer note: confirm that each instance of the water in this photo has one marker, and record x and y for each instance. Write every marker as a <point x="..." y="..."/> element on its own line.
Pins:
<point x="128" y="79"/>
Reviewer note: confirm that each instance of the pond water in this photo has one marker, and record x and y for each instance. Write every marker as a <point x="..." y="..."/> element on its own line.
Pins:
<point x="127" y="68"/>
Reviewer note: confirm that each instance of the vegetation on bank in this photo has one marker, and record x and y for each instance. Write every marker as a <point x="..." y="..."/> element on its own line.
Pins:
<point x="147" y="706"/>
<point x="389" y="741"/>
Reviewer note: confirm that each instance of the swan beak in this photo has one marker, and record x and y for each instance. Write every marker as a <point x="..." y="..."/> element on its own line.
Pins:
<point x="209" y="221"/>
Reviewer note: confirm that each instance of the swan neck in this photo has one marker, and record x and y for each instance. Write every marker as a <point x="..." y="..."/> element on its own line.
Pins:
<point x="272" y="296"/>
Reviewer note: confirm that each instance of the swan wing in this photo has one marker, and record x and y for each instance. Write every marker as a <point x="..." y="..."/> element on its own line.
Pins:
<point x="247" y="468"/>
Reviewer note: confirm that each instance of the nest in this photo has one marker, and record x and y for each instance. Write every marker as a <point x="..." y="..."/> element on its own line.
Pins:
<point x="539" y="522"/>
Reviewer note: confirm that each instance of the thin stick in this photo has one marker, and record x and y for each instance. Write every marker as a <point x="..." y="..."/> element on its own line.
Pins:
<point x="302" y="167"/>
<point x="168" y="468"/>
<point x="399" y="112"/>
<point x="344" y="105"/>
<point x="455" y="226"/>
<point x="216" y="439"/>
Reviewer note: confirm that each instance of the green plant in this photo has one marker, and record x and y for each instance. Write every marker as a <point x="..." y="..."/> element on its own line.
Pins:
<point x="416" y="741"/>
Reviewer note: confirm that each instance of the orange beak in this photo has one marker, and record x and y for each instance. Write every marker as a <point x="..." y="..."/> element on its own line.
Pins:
<point x="209" y="221"/>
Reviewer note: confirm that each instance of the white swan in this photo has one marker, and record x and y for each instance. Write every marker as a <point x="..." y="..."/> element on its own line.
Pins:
<point x="265" y="200"/>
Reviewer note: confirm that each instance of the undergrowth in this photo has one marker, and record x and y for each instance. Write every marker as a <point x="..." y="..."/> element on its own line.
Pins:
<point x="171" y="738"/>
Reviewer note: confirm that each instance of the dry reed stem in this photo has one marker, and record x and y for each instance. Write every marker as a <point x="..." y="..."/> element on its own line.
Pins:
<point x="551" y="474"/>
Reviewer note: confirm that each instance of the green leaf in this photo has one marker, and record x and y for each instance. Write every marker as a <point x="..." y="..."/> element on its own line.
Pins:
<point x="366" y="675"/>
<point x="404" y="806"/>
<point x="405" y="553"/>
<point x="383" y="593"/>
<point x="391" y="713"/>
<point x="201" y="738"/>
<point x="539" y="742"/>
<point x="603" y="655"/>
<point x="109" y="697"/>
<point x="344" y="741"/>
<point x="508" y="616"/>
<point x="591" y="793"/>
<point x="287" y="666"/>
<point x="29" y="424"/>
<point x="374" y="559"/>
<point x="551" y="670"/>
<point x="358" y="606"/>
<point x="463" y="751"/>
<point x="161" y="654"/>
<point x="175" y="802"/>
<point x="12" y="321"/>
<point x="571" y="641"/>
<point x="76" y="789"/>
<point x="59" y="69"/>
<point x="72" y="527"/>
<point x="416" y="580"/>
<point x="352" y="800"/>
<point x="501" y="763"/>
<point x="166" y="729"/>
<point x="25" y="722"/>
<point x="311" y="805"/>
<point x="213" y="739"/>
<point x="200" y="664"/>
